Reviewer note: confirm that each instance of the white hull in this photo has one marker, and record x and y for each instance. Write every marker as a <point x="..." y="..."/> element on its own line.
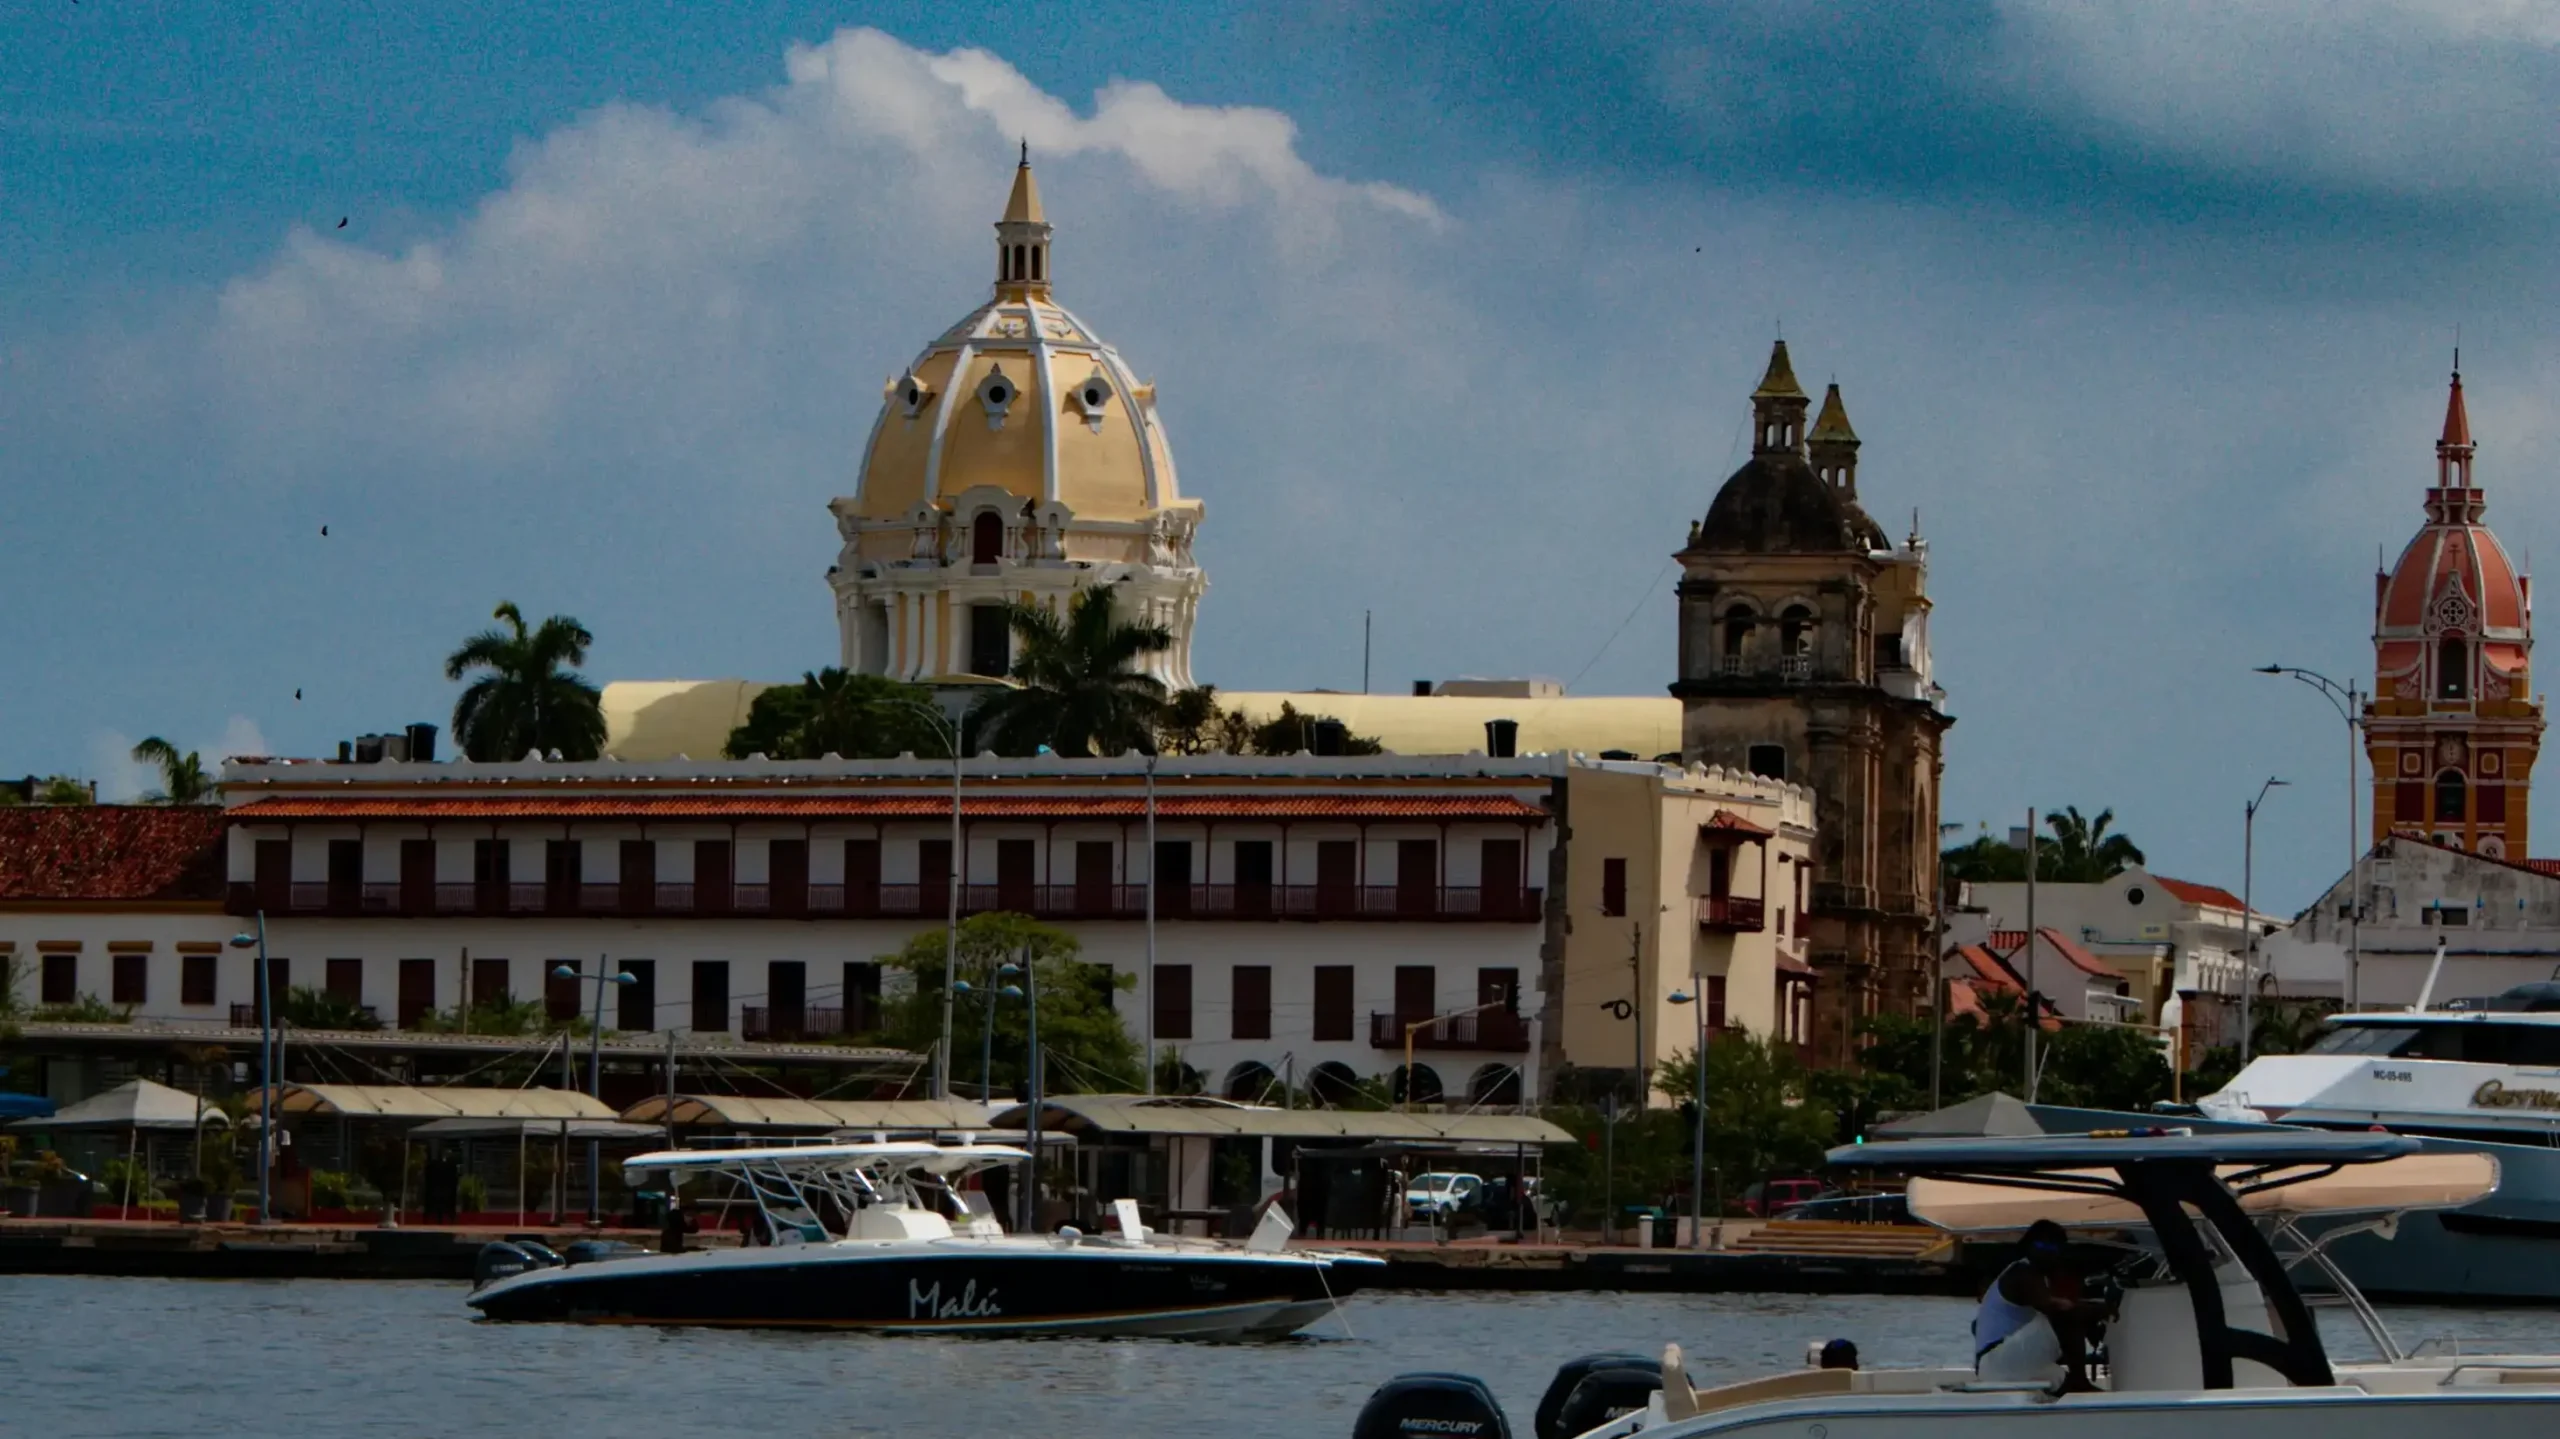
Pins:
<point x="2344" y="1413"/>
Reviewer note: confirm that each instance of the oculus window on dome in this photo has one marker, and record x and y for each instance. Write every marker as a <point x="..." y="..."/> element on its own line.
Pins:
<point x="1093" y="396"/>
<point x="913" y="394"/>
<point x="996" y="394"/>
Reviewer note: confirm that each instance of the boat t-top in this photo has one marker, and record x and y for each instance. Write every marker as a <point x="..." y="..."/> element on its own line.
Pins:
<point x="879" y="1236"/>
<point x="2211" y="1335"/>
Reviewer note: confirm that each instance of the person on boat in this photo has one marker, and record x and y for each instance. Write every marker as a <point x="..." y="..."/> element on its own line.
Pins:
<point x="2033" y="1317"/>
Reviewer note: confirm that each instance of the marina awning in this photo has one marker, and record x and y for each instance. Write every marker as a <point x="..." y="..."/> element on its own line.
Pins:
<point x="400" y="1101"/>
<point x="1196" y="1115"/>
<point x="473" y="1127"/>
<point x="134" y="1104"/>
<point x="744" y="1111"/>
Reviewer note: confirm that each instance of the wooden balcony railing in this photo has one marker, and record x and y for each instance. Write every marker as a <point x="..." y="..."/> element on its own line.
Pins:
<point x="1731" y="914"/>
<point x="922" y="902"/>
<point x="1494" y="1030"/>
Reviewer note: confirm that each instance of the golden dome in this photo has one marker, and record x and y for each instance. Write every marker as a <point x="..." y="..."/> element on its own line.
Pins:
<point x="1021" y="397"/>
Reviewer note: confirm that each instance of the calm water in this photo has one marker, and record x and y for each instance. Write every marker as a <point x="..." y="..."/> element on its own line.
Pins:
<point x="155" y="1357"/>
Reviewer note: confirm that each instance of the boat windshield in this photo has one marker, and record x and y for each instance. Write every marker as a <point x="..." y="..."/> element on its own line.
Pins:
<point x="2465" y="1041"/>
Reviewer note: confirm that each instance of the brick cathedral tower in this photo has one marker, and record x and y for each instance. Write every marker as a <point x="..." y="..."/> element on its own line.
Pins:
<point x="2454" y="725"/>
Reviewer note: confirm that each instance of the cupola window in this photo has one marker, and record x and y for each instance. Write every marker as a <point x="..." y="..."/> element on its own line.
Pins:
<point x="986" y="539"/>
<point x="1795" y="642"/>
<point x="1737" y="633"/>
<point x="1769" y="761"/>
<point x="2453" y="668"/>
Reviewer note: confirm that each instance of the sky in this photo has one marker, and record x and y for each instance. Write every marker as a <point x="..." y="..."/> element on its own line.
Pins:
<point x="2145" y="312"/>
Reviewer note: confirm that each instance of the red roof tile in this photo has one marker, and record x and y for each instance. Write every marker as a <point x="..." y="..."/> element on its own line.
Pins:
<point x="2543" y="866"/>
<point x="2211" y="894"/>
<point x="2081" y="959"/>
<point x="1725" y="821"/>
<point x="111" y="852"/>
<point x="1989" y="968"/>
<point x="900" y="806"/>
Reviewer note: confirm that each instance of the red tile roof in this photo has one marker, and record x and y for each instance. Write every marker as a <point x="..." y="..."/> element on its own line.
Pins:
<point x="111" y="852"/>
<point x="1725" y="821"/>
<point x="1989" y="968"/>
<point x="2081" y="959"/>
<point x="899" y="806"/>
<point x="2211" y="894"/>
<point x="2543" y="866"/>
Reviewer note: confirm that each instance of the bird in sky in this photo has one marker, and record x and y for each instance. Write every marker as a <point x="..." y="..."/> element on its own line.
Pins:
<point x="342" y="222"/>
<point x="324" y="532"/>
<point x="297" y="695"/>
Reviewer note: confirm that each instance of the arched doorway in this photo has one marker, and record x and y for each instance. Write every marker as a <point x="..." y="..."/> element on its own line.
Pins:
<point x="1251" y="1082"/>
<point x="1419" y="1085"/>
<point x="1332" y="1084"/>
<point x="986" y="539"/>
<point x="1495" y="1085"/>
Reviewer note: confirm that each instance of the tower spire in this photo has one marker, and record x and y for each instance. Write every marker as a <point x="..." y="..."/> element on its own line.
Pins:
<point x="2456" y="499"/>
<point x="1777" y="407"/>
<point x="1022" y="236"/>
<point x="1833" y="446"/>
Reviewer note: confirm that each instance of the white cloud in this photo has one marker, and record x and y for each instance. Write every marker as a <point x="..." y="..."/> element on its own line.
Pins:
<point x="2411" y="97"/>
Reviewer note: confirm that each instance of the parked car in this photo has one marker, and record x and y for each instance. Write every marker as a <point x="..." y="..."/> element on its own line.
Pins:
<point x="1762" y="1200"/>
<point x="1438" y="1196"/>
<point x="1853" y="1209"/>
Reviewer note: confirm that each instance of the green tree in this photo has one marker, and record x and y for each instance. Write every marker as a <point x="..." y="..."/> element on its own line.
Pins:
<point x="848" y="715"/>
<point x="1078" y="691"/>
<point x="87" y="1009"/>
<point x="524" y="696"/>
<point x="307" y="1008"/>
<point x="501" y="1014"/>
<point x="2083" y="852"/>
<point x="1764" y="1116"/>
<point x="1983" y="860"/>
<point x="2103" y="1066"/>
<point x="182" y="776"/>
<point x="1290" y="732"/>
<point x="1087" y="1048"/>
<point x="53" y="789"/>
<point x="1189" y="722"/>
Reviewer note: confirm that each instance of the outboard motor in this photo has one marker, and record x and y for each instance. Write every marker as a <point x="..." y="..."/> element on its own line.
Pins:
<point x="1550" y="1420"/>
<point x="1432" y="1406"/>
<point x="500" y="1260"/>
<point x="1608" y="1392"/>
<point x="542" y="1255"/>
<point x="587" y="1251"/>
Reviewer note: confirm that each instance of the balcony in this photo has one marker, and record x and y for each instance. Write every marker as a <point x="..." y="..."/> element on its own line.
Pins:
<point x="784" y="1024"/>
<point x="1496" y="1031"/>
<point x="925" y="903"/>
<point x="1731" y="914"/>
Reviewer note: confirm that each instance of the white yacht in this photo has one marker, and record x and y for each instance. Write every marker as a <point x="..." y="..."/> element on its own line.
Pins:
<point x="2483" y="1075"/>
<point x="2212" y="1337"/>
<point x="880" y="1236"/>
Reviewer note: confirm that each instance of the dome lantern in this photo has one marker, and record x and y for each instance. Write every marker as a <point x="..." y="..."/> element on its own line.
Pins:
<point x="1022" y="237"/>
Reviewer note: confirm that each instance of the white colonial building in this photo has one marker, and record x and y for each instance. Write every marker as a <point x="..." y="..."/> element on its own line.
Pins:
<point x="1018" y="459"/>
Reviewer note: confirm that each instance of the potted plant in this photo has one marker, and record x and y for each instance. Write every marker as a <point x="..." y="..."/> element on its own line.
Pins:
<point x="192" y="1192"/>
<point x="471" y="1195"/>
<point x="221" y="1170"/>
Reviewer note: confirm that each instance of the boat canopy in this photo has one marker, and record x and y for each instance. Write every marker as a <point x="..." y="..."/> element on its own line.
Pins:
<point x="2416" y="1181"/>
<point x="896" y="1154"/>
<point x="2106" y="1149"/>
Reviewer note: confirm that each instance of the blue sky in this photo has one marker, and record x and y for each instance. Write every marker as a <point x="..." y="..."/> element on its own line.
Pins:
<point x="1452" y="310"/>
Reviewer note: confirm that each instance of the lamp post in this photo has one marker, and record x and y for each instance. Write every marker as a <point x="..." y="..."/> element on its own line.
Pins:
<point x="1698" y="1123"/>
<point x="595" y="1071"/>
<point x="947" y="728"/>
<point x="2249" y="912"/>
<point x="2348" y="701"/>
<point x="1404" y="1102"/>
<point x="266" y="1066"/>
<point x="987" y="1027"/>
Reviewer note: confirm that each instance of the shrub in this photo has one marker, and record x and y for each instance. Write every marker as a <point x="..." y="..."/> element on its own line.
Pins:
<point x="329" y="1190"/>
<point x="472" y="1194"/>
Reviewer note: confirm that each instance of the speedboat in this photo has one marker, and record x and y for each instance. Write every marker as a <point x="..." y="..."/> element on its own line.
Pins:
<point x="880" y="1236"/>
<point x="2211" y="1335"/>
<point x="2478" y="1074"/>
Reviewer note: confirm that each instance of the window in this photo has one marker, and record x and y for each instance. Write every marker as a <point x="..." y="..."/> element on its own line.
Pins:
<point x="712" y="873"/>
<point x="198" y="978"/>
<point x="861" y="996"/>
<point x="933" y="875"/>
<point x="1173" y="876"/>
<point x="274" y="874"/>
<point x="1715" y="1002"/>
<point x="346" y="872"/>
<point x="1173" y="1001"/>
<point x="862" y="876"/>
<point x="1613" y="886"/>
<point x="1737" y="630"/>
<point x="1498" y="877"/>
<point x="61" y="978"/>
<point x="990" y="640"/>
<point x="560" y="992"/>
<point x="636" y="1007"/>
<point x="562" y="869"/>
<point x="2448" y="916"/>
<point x="130" y="978"/>
<point x="1337" y="876"/>
<point x="489" y="861"/>
<point x="1795" y="631"/>
<point x="1017" y="861"/>
<point x="786" y="873"/>
<point x="986" y="543"/>
<point x="1417" y="876"/>
<point x="344" y="979"/>
<point x="1333" y="1002"/>
<point x="417" y="876"/>
<point x="1093" y="877"/>
<point x="1769" y="761"/>
<point x="711" y="996"/>
<point x="489" y="984"/>
<point x="2453" y="668"/>
<point x="1253" y="875"/>
<point x="417" y="991"/>
<point x="1252" y="1006"/>
<point x="786" y="992"/>
<point x="1417" y="992"/>
<point x="639" y="875"/>
<point x="2449" y="797"/>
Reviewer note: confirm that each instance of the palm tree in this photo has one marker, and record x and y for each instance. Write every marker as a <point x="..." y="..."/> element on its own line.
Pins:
<point x="1079" y="693"/>
<point x="526" y="700"/>
<point x="832" y="712"/>
<point x="182" y="776"/>
<point x="2083" y="850"/>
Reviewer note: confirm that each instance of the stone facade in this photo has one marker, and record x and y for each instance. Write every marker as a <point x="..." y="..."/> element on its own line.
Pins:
<point x="1804" y="656"/>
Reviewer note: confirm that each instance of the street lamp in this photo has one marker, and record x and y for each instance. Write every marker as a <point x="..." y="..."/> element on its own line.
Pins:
<point x="2348" y="702"/>
<point x="2248" y="910"/>
<point x="1698" y="1129"/>
<point x="987" y="1026"/>
<point x="947" y="728"/>
<point x="266" y="1065"/>
<point x="595" y="1070"/>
